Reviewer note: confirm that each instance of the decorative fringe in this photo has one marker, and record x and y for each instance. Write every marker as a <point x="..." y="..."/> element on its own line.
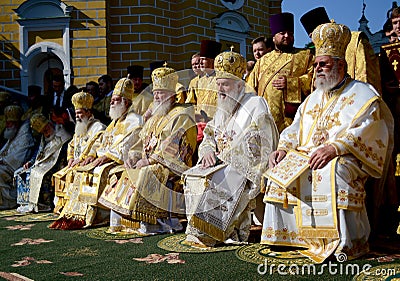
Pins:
<point x="128" y="223"/>
<point x="319" y="233"/>
<point x="208" y="228"/>
<point x="144" y="217"/>
<point x="397" y="173"/>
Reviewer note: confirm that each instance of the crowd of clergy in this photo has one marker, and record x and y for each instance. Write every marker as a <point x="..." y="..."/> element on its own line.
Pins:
<point x="298" y="146"/>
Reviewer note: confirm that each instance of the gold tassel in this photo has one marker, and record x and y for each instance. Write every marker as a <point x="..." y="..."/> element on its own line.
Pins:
<point x="208" y="229"/>
<point x="263" y="185"/>
<point x="133" y="224"/>
<point x="144" y="217"/>
<point x="397" y="174"/>
<point x="285" y="201"/>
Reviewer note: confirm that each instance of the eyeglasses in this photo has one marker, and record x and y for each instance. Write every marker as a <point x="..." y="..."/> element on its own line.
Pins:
<point x="321" y="64"/>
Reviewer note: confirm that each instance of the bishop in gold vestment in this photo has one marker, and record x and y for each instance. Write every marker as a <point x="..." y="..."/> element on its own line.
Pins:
<point x="233" y="155"/>
<point x="107" y="151"/>
<point x="87" y="130"/>
<point x="149" y="191"/>
<point x="341" y="135"/>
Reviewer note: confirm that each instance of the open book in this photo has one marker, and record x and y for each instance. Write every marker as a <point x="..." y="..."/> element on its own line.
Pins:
<point x="289" y="169"/>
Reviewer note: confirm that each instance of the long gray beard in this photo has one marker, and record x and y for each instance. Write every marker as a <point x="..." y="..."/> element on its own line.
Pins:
<point x="81" y="126"/>
<point x="10" y="133"/>
<point x="116" y="111"/>
<point x="225" y="108"/>
<point x="329" y="81"/>
<point x="161" y="108"/>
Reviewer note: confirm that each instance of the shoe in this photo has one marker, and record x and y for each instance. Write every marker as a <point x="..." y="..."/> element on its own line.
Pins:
<point x="25" y="209"/>
<point x="42" y="208"/>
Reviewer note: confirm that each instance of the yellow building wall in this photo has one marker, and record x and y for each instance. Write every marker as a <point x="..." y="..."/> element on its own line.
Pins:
<point x="54" y="36"/>
<point x="108" y="36"/>
<point x="89" y="58"/>
<point x="9" y="46"/>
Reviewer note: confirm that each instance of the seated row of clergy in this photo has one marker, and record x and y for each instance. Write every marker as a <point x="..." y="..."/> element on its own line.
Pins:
<point x="143" y="193"/>
<point x="315" y="197"/>
<point x="162" y="147"/>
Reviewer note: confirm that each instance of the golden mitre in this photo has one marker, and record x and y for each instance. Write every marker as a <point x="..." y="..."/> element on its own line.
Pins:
<point x="38" y="122"/>
<point x="124" y="88"/>
<point x="230" y="65"/>
<point x="82" y="100"/>
<point x="164" y="78"/>
<point x="13" y="113"/>
<point x="331" y="39"/>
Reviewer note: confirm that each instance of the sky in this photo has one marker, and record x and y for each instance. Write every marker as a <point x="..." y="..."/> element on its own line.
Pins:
<point x="346" y="12"/>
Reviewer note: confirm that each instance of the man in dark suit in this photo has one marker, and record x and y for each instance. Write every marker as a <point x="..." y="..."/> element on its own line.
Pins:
<point x="59" y="103"/>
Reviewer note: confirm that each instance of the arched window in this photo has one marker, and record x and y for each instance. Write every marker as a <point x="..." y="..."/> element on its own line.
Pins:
<point x="37" y="56"/>
<point x="231" y="28"/>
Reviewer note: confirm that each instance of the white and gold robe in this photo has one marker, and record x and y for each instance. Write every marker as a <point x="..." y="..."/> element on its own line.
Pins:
<point x="90" y="181"/>
<point x="146" y="196"/>
<point x="13" y="155"/>
<point x="78" y="148"/>
<point x="48" y="156"/>
<point x="324" y="209"/>
<point x="242" y="144"/>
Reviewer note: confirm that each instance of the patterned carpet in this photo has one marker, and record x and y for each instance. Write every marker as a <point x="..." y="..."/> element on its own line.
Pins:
<point x="103" y="234"/>
<point x="174" y="243"/>
<point x="29" y="250"/>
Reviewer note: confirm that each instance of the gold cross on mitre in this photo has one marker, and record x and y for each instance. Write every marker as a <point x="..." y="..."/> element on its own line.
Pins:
<point x="165" y="64"/>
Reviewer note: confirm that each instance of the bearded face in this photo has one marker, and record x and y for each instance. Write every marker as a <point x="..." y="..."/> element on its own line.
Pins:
<point x="118" y="106"/>
<point x="48" y="132"/>
<point x="163" y="102"/>
<point x="229" y="94"/>
<point x="81" y="126"/>
<point x="284" y="41"/>
<point x="327" y="73"/>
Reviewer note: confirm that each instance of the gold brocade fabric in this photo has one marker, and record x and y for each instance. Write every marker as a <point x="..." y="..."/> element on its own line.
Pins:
<point x="80" y="144"/>
<point x="103" y="105"/>
<point x="220" y="197"/>
<point x="355" y="121"/>
<point x="362" y="63"/>
<point x="171" y="139"/>
<point x="168" y="142"/>
<point x="206" y="95"/>
<point x="117" y="138"/>
<point x="298" y="69"/>
<point x="191" y="93"/>
<point x="78" y="148"/>
<point x="141" y="102"/>
<point x="89" y="181"/>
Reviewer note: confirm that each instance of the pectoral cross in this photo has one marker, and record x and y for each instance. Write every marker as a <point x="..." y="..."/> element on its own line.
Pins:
<point x="395" y="63"/>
